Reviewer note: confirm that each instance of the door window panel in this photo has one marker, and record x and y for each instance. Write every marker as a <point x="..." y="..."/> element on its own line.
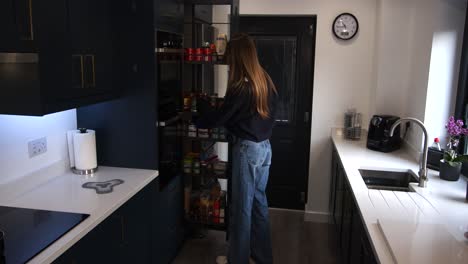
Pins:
<point x="274" y="51"/>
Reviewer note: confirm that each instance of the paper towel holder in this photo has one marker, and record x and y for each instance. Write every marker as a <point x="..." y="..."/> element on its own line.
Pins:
<point x="84" y="172"/>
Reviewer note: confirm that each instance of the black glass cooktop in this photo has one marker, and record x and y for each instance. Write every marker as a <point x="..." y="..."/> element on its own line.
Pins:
<point x="26" y="232"/>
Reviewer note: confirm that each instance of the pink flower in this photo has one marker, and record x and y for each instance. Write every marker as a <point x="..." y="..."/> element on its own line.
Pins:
<point x="455" y="127"/>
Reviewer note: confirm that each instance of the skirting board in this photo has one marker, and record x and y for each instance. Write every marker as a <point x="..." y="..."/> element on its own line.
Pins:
<point x="309" y="216"/>
<point x="317" y="217"/>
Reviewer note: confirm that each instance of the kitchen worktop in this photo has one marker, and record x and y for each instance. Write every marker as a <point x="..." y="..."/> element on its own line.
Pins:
<point x="442" y="203"/>
<point x="56" y="188"/>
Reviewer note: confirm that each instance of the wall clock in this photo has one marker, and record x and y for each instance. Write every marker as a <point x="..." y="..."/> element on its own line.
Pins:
<point x="345" y="26"/>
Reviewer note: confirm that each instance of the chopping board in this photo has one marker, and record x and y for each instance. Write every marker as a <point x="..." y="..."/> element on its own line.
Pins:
<point x="428" y="243"/>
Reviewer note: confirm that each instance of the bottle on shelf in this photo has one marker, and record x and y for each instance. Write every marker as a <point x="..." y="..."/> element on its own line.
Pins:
<point x="189" y="54"/>
<point x="204" y="207"/>
<point x="222" y="208"/>
<point x="213" y="51"/>
<point x="188" y="164"/>
<point x="207" y="56"/>
<point x="203" y="133"/>
<point x="198" y="54"/>
<point x="187" y="102"/>
<point x="193" y="101"/>
<point x="216" y="205"/>
<point x="214" y="100"/>
<point x="214" y="133"/>
<point x="192" y="130"/>
<point x="436" y="144"/>
<point x="196" y="166"/>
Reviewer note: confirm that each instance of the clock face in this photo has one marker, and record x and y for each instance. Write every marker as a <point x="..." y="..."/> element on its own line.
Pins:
<point x="345" y="26"/>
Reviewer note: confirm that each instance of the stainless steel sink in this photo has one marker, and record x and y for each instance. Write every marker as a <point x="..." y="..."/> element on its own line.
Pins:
<point x="388" y="180"/>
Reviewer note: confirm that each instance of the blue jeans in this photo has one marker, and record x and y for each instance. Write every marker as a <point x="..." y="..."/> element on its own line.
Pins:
<point x="249" y="227"/>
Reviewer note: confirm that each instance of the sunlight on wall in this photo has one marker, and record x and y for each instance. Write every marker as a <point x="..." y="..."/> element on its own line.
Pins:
<point x="442" y="83"/>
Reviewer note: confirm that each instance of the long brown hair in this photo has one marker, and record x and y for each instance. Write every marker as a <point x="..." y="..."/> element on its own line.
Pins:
<point x="245" y="72"/>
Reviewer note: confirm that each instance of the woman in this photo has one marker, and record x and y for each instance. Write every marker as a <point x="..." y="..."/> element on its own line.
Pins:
<point x="248" y="114"/>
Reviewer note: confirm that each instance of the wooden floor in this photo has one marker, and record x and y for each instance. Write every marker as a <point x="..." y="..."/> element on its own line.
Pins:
<point x="294" y="241"/>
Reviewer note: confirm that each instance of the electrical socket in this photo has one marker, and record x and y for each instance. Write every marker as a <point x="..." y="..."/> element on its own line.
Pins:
<point x="37" y="147"/>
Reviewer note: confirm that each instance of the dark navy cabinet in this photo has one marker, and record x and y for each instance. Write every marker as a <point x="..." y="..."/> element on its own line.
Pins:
<point x="91" y="46"/>
<point x="57" y="55"/>
<point x="345" y="215"/>
<point x="146" y="229"/>
<point x="168" y="230"/>
<point x="18" y="24"/>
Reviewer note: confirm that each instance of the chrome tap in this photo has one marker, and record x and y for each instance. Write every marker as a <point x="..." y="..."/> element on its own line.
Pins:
<point x="423" y="163"/>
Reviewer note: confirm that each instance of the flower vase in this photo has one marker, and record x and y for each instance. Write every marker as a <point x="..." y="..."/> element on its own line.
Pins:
<point x="448" y="172"/>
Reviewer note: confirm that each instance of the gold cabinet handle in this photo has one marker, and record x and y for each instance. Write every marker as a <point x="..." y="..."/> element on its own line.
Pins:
<point x="31" y="24"/>
<point x="94" y="70"/>
<point x="91" y="58"/>
<point x="82" y="71"/>
<point x="24" y="19"/>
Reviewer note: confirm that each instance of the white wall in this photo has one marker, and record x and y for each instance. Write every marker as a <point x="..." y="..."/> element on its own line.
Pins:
<point x="344" y="77"/>
<point x="392" y="49"/>
<point x="418" y="52"/>
<point x="404" y="61"/>
<point x="17" y="131"/>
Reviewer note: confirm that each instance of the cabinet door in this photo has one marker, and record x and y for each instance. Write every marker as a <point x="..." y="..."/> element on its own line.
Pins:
<point x="104" y="244"/>
<point x="346" y="222"/>
<point x="91" y="48"/>
<point x="334" y="172"/>
<point x="17" y="25"/>
<point x="167" y="216"/>
<point x="355" y="255"/>
<point x="339" y="193"/>
<point x="158" y="230"/>
<point x="367" y="256"/>
<point x="136" y="227"/>
<point x="173" y="203"/>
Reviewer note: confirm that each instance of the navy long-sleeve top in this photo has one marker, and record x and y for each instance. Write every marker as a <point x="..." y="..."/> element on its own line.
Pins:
<point x="239" y="117"/>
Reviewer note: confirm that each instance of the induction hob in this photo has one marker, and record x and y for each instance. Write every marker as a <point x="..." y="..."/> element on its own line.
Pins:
<point x="26" y="232"/>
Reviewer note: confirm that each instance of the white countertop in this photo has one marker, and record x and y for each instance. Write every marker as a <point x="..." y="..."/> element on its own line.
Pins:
<point x="58" y="189"/>
<point x="442" y="202"/>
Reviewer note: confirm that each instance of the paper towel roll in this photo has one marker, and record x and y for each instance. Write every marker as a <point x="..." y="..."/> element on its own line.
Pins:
<point x="71" y="149"/>
<point x="84" y="145"/>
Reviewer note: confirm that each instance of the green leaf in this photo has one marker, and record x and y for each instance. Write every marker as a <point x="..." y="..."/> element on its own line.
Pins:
<point x="447" y="156"/>
<point x="461" y="158"/>
<point x="453" y="164"/>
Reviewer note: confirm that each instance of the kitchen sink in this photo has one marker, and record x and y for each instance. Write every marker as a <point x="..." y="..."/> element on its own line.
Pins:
<point x="388" y="180"/>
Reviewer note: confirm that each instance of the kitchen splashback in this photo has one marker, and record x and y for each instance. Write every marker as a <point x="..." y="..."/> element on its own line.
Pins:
<point x="17" y="131"/>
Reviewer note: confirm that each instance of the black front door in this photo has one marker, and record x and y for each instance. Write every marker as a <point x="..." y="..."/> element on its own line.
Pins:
<point x="286" y="48"/>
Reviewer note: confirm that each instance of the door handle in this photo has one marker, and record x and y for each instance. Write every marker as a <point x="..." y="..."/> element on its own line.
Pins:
<point x="306" y="117"/>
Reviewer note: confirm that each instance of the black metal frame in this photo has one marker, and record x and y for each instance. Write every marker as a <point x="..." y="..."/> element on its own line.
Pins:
<point x="195" y="67"/>
<point x="461" y="105"/>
